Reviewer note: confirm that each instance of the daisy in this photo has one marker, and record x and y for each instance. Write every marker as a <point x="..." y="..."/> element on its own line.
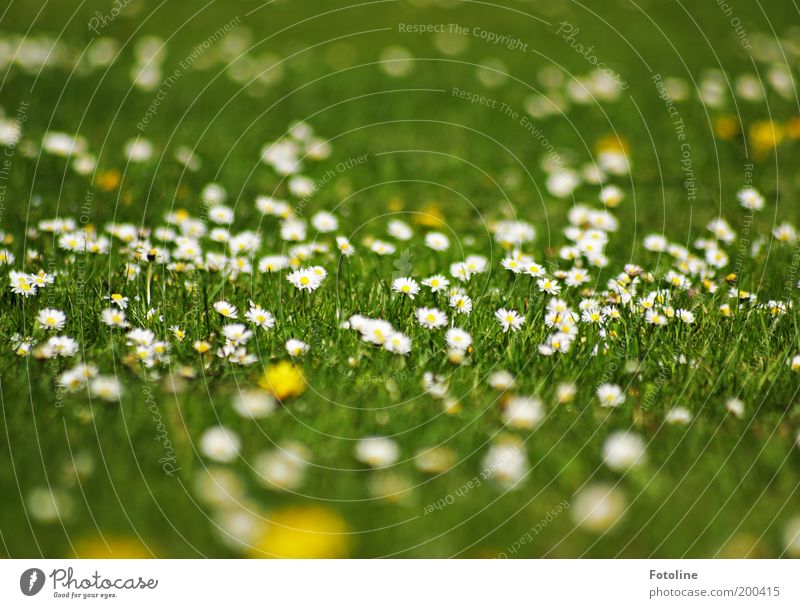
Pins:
<point x="735" y="407"/>
<point x="50" y="318"/>
<point x="305" y="279"/>
<point x="460" y="271"/>
<point x="533" y="269"/>
<point x="406" y="286"/>
<point x="598" y="506"/>
<point x="610" y="395"/>
<point x="60" y="346"/>
<point x="283" y="468"/>
<point x="273" y="263"/>
<point x="220" y="214"/>
<point x="375" y="331"/>
<point x="476" y="264"/>
<point x="106" y="388"/>
<point x="272" y="206"/>
<point x="140" y="337"/>
<point x="400" y="230"/>
<point x="21" y="283"/>
<point x="431" y="318"/>
<point x="687" y="316"/>
<point x="548" y="285"/>
<point x="296" y="348"/>
<point x="6" y="257"/>
<point x="750" y="198"/>
<point x="377" y="452"/>
<point x="220" y="443"/>
<point x="461" y="302"/>
<point x="113" y="317"/>
<point x="259" y="317"/>
<point x="382" y="248"/>
<point x="509" y="319"/>
<point x="398" y="344"/>
<point x="576" y="277"/>
<point x="254" y="403"/>
<point x="458" y="338"/>
<point x="654" y="317"/>
<point x="293" y="230"/>
<point x="436" y="283"/>
<point x="236" y="334"/>
<point x="513" y="264"/>
<point x="513" y="233"/>
<point x="225" y="309"/>
<point x="505" y="463"/>
<point x="794" y="364"/>
<point x="345" y="247"/>
<point x="611" y="196"/>
<point x="523" y="412"/>
<point x="623" y="451"/>
<point x="565" y="392"/>
<point x="501" y="380"/>
<point x="437" y="241"/>
<point x="324" y="222"/>
<point x="678" y="415"/>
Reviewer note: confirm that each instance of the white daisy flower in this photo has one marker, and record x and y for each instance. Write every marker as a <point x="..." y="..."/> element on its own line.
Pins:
<point x="437" y="241"/>
<point x="296" y="348"/>
<point x="523" y="412"/>
<point x="345" y="246"/>
<point x="221" y="444"/>
<point x="623" y="450"/>
<point x="260" y="317"/>
<point x="436" y="283"/>
<point x="431" y="318"/>
<point x="305" y="279"/>
<point x="501" y="380"/>
<point x="225" y="309"/>
<point x="610" y="395"/>
<point x="324" y="222"/>
<point x="254" y="403"/>
<point x="750" y="198"/>
<point x="400" y="230"/>
<point x="678" y="416"/>
<point x="461" y="302"/>
<point x="397" y="343"/>
<point x="106" y="388"/>
<point x="406" y="286"/>
<point x="458" y="338"/>
<point x="509" y="319"/>
<point x="735" y="407"/>
<point x="50" y="318"/>
<point x="236" y="334"/>
<point x="377" y="452"/>
<point x="113" y="317"/>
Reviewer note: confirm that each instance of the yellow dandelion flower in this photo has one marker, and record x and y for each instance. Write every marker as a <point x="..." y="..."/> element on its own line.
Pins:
<point x="304" y="533"/>
<point x="284" y="380"/>
<point x="112" y="547"/>
<point x="612" y="143"/>
<point x="765" y="135"/>
<point x="396" y="204"/>
<point x="109" y="180"/>
<point x="430" y="216"/>
<point x="793" y="128"/>
<point x="726" y="127"/>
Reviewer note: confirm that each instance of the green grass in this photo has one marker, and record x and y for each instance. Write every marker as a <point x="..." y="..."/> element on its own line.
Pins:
<point x="719" y="486"/>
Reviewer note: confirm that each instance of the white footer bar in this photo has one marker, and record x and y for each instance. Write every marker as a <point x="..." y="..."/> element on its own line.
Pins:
<point x="401" y="583"/>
